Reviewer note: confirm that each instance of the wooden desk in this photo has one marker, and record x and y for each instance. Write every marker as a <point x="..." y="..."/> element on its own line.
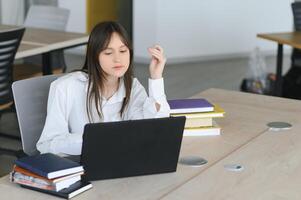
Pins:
<point x="245" y="121"/>
<point x="272" y="166"/>
<point x="43" y="41"/>
<point x="289" y="38"/>
<point x="28" y="49"/>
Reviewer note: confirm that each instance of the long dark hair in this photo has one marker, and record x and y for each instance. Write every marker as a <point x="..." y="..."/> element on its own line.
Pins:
<point x="98" y="41"/>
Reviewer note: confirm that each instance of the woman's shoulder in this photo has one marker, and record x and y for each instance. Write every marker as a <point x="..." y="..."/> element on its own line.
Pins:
<point x="73" y="79"/>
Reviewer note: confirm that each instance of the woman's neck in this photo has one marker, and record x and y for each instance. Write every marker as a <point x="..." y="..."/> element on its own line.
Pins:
<point x="110" y="87"/>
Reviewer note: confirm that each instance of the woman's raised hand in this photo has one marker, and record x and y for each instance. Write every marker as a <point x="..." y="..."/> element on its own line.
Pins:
<point x="157" y="63"/>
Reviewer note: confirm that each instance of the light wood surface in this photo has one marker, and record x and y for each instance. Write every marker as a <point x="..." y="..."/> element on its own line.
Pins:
<point x="26" y="50"/>
<point x="245" y="122"/>
<point x="37" y="41"/>
<point x="289" y="38"/>
<point x="272" y="171"/>
<point x="53" y="39"/>
<point x="272" y="163"/>
<point x="6" y="106"/>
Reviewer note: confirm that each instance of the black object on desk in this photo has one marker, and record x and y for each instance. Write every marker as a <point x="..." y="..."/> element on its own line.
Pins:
<point x="131" y="148"/>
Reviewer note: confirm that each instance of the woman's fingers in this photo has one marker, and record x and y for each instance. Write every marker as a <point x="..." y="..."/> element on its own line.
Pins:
<point x="159" y="50"/>
<point x="158" y="47"/>
<point x="157" y="56"/>
<point x="156" y="53"/>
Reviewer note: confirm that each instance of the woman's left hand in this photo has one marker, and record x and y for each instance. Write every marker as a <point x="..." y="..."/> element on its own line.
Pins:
<point x="157" y="63"/>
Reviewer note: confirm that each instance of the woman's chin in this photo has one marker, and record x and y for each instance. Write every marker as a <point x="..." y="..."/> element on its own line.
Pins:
<point x="118" y="75"/>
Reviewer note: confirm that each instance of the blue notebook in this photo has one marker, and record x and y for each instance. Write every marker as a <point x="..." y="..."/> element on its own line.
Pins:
<point x="190" y="106"/>
<point x="49" y="165"/>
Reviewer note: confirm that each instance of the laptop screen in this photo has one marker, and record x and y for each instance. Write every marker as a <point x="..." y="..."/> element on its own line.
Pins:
<point x="131" y="148"/>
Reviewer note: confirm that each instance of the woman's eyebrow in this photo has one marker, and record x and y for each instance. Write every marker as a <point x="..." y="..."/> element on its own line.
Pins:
<point x="110" y="48"/>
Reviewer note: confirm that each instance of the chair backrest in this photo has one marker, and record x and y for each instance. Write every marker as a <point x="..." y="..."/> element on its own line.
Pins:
<point x="48" y="17"/>
<point x="296" y="8"/>
<point x="296" y="54"/>
<point x="9" y="43"/>
<point x="30" y="96"/>
<point x="43" y="2"/>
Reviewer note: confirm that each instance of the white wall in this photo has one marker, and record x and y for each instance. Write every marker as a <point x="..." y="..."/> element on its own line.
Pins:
<point x="200" y="30"/>
<point x="77" y="20"/>
<point x="144" y="26"/>
<point x="12" y="12"/>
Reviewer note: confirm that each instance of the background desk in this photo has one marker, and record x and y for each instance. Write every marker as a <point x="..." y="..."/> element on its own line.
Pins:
<point x="245" y="122"/>
<point x="43" y="41"/>
<point x="289" y="38"/>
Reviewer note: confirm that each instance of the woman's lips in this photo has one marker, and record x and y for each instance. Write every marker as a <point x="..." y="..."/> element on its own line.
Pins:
<point x="118" y="67"/>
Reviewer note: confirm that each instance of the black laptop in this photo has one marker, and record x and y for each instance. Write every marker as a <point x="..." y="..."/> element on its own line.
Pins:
<point x="131" y="148"/>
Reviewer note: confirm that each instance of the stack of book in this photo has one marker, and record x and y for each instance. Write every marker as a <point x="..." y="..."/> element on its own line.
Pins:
<point x="50" y="174"/>
<point x="199" y="115"/>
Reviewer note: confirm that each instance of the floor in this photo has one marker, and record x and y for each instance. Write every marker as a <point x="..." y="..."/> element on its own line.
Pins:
<point x="181" y="81"/>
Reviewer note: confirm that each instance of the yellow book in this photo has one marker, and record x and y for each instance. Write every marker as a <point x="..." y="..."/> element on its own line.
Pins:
<point x="218" y="112"/>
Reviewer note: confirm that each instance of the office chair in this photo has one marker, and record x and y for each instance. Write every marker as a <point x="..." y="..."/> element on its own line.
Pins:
<point x="296" y="55"/>
<point x="45" y="17"/>
<point x="31" y="108"/>
<point x="42" y="2"/>
<point x="9" y="43"/>
<point x="292" y="79"/>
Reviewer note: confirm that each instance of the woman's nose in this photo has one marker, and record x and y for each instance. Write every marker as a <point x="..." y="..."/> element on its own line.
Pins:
<point x="116" y="57"/>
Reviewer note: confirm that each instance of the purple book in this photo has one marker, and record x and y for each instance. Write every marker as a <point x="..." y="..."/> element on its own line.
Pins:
<point x="190" y="106"/>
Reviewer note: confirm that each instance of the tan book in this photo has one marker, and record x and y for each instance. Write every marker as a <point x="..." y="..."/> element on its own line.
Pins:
<point x="203" y="131"/>
<point x="198" y="122"/>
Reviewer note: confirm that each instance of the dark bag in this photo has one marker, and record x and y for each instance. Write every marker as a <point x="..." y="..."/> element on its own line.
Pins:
<point x="256" y="86"/>
<point x="291" y="87"/>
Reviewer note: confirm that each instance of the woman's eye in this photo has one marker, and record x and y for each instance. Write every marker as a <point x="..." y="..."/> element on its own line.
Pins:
<point x="123" y="51"/>
<point x="108" y="53"/>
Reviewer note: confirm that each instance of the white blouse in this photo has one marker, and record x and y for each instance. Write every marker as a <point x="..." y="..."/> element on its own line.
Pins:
<point x="67" y="115"/>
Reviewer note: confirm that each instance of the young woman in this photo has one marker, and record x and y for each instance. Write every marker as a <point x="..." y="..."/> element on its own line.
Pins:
<point x="104" y="90"/>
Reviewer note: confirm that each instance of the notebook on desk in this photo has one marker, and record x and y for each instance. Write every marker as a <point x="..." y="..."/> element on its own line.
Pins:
<point x="131" y="148"/>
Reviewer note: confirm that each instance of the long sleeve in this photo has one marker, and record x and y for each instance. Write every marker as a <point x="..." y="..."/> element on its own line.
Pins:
<point x="143" y="106"/>
<point x="55" y="137"/>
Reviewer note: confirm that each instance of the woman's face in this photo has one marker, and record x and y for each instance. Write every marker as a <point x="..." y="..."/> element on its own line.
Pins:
<point x="115" y="59"/>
